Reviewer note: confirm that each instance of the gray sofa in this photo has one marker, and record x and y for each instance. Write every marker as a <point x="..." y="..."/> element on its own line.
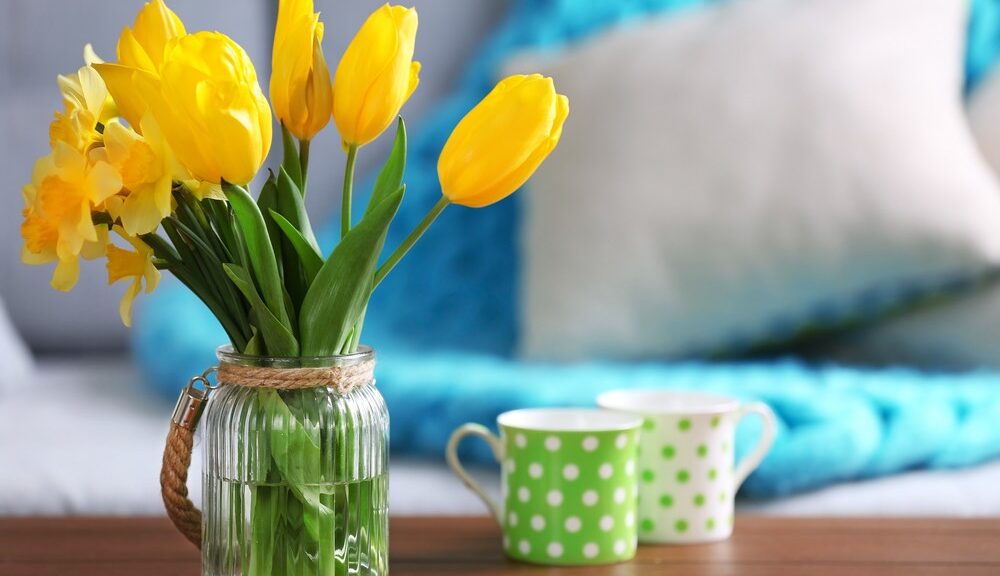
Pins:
<point x="84" y="435"/>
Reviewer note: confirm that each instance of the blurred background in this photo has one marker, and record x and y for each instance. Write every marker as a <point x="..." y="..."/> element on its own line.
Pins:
<point x="788" y="200"/>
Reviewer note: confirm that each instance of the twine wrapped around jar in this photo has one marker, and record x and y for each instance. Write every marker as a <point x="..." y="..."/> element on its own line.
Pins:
<point x="180" y="439"/>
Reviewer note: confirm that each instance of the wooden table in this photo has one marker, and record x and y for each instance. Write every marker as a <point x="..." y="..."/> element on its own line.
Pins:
<point x="470" y="546"/>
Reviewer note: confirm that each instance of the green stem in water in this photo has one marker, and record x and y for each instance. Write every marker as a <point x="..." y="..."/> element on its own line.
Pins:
<point x="304" y="162"/>
<point x="410" y="240"/>
<point x="345" y="203"/>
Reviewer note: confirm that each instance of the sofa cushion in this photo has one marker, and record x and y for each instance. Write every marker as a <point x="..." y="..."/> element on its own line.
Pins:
<point x="740" y="174"/>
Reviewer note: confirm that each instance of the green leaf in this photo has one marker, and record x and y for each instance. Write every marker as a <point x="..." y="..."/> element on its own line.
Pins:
<point x="278" y="339"/>
<point x="254" y="347"/>
<point x="341" y="289"/>
<point x="223" y="218"/>
<point x="264" y="512"/>
<point x="211" y="266"/>
<point x="390" y="178"/>
<point x="267" y="201"/>
<point x="293" y="208"/>
<point x="189" y="272"/>
<point x="260" y="251"/>
<point x="295" y="448"/>
<point x="295" y="442"/>
<point x="309" y="256"/>
<point x="291" y="161"/>
<point x="352" y="342"/>
<point x="198" y="242"/>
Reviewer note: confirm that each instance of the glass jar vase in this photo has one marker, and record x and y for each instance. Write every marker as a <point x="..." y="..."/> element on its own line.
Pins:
<point x="295" y="481"/>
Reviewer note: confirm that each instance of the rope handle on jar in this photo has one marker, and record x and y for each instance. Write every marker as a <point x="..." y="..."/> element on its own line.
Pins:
<point x="177" y="456"/>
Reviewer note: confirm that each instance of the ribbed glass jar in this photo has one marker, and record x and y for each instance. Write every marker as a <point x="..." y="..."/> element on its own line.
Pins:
<point x="295" y="481"/>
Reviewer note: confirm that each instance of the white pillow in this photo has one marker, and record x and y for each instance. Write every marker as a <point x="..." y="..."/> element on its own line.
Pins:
<point x="957" y="331"/>
<point x="15" y="360"/>
<point x="733" y="174"/>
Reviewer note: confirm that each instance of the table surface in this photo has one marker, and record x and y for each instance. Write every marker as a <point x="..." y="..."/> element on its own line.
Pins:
<point x="470" y="546"/>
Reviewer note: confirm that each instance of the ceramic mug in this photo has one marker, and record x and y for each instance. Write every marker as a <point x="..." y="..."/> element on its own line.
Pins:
<point x="687" y="476"/>
<point x="568" y="488"/>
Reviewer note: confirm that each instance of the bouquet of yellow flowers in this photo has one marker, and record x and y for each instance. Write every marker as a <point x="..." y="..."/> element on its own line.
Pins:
<point x="152" y="155"/>
<point x="151" y="159"/>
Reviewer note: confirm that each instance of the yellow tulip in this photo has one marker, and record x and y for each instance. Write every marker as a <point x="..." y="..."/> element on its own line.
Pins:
<point x="502" y="141"/>
<point x="57" y="225"/>
<point x="141" y="47"/>
<point x="376" y="76"/>
<point x="301" y="91"/>
<point x="210" y="108"/>
<point x="85" y="105"/>
<point x="147" y="168"/>
<point x="138" y="265"/>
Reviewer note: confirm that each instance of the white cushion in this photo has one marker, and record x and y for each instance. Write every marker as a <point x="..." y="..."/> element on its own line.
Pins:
<point x="732" y="174"/>
<point x="956" y="331"/>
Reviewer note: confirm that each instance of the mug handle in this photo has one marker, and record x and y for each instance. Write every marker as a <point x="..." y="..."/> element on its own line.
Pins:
<point x="451" y="454"/>
<point x="752" y="460"/>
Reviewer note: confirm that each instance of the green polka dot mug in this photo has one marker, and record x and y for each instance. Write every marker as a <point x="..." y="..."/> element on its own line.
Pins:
<point x="568" y="489"/>
<point x="687" y="477"/>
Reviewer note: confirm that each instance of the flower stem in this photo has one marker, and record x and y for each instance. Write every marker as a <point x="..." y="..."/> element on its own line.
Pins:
<point x="304" y="162"/>
<point x="345" y="203"/>
<point x="410" y="240"/>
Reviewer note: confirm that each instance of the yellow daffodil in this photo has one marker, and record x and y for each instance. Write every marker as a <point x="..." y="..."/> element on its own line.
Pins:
<point x="376" y="76"/>
<point x="58" y="226"/>
<point x="86" y="106"/>
<point x="141" y="47"/>
<point x="301" y="91"/>
<point x="136" y="265"/>
<point x="502" y="141"/>
<point x="210" y="108"/>
<point x="147" y="168"/>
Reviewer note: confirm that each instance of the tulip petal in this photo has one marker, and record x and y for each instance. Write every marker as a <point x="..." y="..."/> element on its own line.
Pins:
<point x="375" y="77"/>
<point x="119" y="81"/>
<point x="300" y="88"/>
<point x="155" y="25"/>
<point x="520" y="175"/>
<point x="210" y="108"/>
<point x="414" y="79"/>
<point x="501" y="142"/>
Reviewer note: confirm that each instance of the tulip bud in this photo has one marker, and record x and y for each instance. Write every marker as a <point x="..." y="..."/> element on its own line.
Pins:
<point x="376" y="76"/>
<point x="301" y="91"/>
<point x="502" y="141"/>
<point x="210" y="108"/>
<point x="143" y="45"/>
<point x="140" y="48"/>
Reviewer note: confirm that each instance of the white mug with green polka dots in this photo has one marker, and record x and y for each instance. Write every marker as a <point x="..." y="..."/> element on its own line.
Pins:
<point x="568" y="488"/>
<point x="687" y="472"/>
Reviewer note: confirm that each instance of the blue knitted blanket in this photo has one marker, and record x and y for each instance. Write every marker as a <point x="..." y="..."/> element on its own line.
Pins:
<point x="835" y="423"/>
<point x="454" y="300"/>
